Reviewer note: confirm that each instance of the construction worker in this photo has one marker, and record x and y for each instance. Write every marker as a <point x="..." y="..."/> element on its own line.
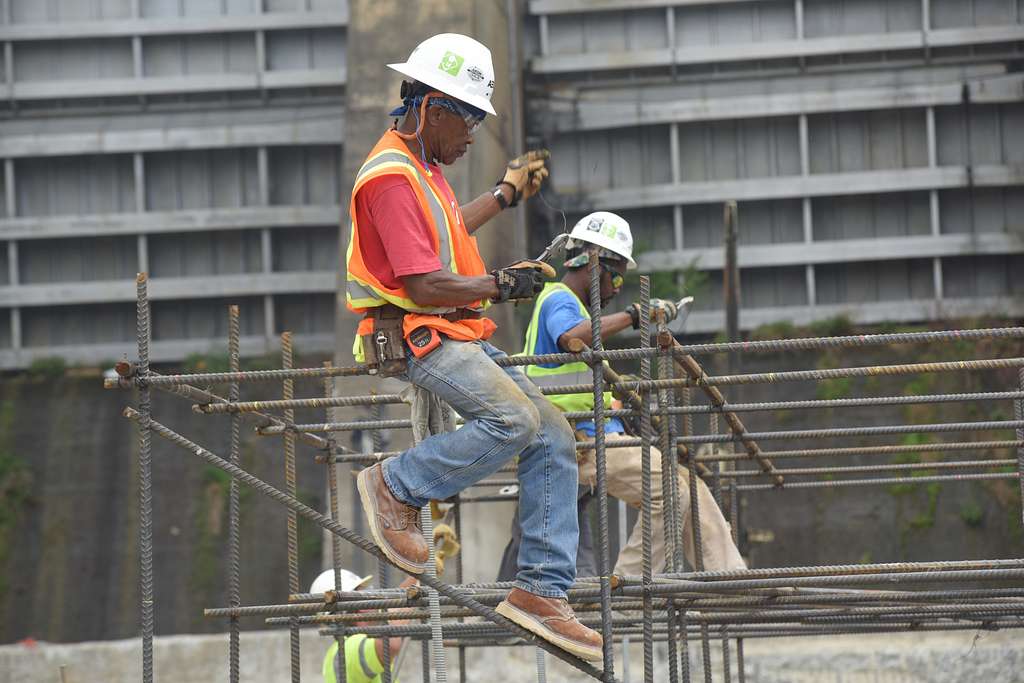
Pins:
<point x="363" y="655"/>
<point x="560" y="315"/>
<point x="416" y="275"/>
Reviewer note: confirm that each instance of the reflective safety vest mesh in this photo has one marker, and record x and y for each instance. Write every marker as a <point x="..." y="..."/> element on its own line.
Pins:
<point x="576" y="372"/>
<point x="361" y="662"/>
<point x="454" y="247"/>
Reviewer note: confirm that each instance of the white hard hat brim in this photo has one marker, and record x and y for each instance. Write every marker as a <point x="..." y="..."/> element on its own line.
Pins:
<point x="362" y="582"/>
<point x="579" y="241"/>
<point x="418" y="73"/>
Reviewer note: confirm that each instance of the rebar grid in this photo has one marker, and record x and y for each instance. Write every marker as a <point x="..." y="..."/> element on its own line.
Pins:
<point x="673" y="605"/>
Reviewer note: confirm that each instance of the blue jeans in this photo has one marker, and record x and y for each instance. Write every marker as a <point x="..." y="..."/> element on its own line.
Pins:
<point x="506" y="415"/>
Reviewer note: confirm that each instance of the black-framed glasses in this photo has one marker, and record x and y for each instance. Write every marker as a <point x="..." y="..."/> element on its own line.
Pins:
<point x="617" y="279"/>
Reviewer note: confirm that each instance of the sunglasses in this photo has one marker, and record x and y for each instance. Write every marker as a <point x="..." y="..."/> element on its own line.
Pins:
<point x="617" y="279"/>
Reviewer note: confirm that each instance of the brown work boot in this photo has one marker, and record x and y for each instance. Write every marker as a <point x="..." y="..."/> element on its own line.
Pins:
<point x="395" y="526"/>
<point x="553" y="620"/>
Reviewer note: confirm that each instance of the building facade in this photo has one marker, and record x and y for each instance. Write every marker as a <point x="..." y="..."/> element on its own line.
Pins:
<point x="875" y="149"/>
<point x="197" y="140"/>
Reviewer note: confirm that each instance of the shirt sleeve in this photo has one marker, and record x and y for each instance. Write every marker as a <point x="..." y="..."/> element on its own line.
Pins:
<point x="558" y="314"/>
<point x="404" y="231"/>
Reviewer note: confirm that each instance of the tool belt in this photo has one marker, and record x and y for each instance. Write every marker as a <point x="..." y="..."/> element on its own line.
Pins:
<point x="384" y="347"/>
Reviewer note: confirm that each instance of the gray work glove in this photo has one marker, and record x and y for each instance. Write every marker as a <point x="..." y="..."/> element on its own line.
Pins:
<point x="662" y="307"/>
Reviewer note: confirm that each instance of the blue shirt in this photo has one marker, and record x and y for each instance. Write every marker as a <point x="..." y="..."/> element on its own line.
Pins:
<point x="558" y="314"/>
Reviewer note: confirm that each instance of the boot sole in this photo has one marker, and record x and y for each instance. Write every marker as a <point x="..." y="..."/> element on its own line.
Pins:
<point x="531" y="624"/>
<point x="370" y="510"/>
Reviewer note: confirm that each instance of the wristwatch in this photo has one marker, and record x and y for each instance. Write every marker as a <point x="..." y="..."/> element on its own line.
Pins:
<point x="499" y="197"/>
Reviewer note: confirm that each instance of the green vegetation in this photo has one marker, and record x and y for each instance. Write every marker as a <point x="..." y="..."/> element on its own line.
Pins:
<point x="783" y="329"/>
<point x="50" y="367"/>
<point x="15" y="493"/>
<point x="310" y="533"/>
<point x="972" y="514"/>
<point x="838" y="326"/>
<point x="831" y="389"/>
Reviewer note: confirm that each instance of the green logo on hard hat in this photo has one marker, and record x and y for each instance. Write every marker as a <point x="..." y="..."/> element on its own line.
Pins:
<point x="451" y="63"/>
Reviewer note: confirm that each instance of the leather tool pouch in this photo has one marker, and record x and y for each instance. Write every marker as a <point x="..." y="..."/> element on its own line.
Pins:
<point x="384" y="347"/>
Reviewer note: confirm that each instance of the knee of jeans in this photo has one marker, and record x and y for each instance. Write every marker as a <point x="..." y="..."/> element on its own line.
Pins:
<point x="562" y="437"/>
<point x="522" y="422"/>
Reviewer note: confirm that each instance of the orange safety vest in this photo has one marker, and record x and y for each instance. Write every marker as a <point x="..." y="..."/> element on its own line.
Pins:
<point x="456" y="249"/>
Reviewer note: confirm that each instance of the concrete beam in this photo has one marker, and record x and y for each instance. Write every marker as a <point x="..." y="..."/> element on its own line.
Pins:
<point x="164" y="85"/>
<point x="871" y="313"/>
<point x="588" y="114"/>
<point x="327" y="130"/>
<point x="48" y="227"/>
<point x="838" y="251"/>
<point x="115" y="28"/>
<point x="168" y="289"/>
<point x="784" y="49"/>
<point x="541" y="7"/>
<point x="160" y="351"/>
<point x="785" y="187"/>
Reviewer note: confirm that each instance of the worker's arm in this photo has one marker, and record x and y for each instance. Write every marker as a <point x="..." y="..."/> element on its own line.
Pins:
<point x="396" y="643"/>
<point x="523" y="178"/>
<point x="610" y="324"/>
<point x="444" y="288"/>
<point x="483" y="208"/>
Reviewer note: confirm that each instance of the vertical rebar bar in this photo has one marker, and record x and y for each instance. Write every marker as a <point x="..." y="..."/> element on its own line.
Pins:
<point x="645" y="469"/>
<point x="457" y="516"/>
<point x="332" y="501"/>
<point x="698" y="546"/>
<point x="596" y="275"/>
<point x="542" y="674"/>
<point x="383" y="568"/>
<point x="717" y="479"/>
<point x="670" y="506"/>
<point x="146" y="606"/>
<point x="288" y="393"/>
<point x="434" y="605"/>
<point x="734" y="523"/>
<point x="234" y="569"/>
<point x="1018" y="409"/>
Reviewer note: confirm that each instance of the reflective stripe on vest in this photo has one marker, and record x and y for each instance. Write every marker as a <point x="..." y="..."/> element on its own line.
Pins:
<point x="361" y="293"/>
<point x="576" y="372"/>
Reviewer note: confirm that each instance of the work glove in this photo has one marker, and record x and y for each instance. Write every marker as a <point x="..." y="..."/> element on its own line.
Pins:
<point x="521" y="280"/>
<point x="659" y="308"/>
<point x="525" y="173"/>
<point x="446" y="545"/>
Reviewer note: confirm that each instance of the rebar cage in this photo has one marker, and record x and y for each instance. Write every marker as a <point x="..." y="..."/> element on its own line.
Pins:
<point x="683" y="607"/>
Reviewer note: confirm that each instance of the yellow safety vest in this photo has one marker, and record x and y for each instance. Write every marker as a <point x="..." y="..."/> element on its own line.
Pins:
<point x="361" y="662"/>
<point x="576" y="372"/>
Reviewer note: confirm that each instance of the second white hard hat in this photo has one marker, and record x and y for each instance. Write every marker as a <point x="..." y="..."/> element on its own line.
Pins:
<point x="454" y="64"/>
<point x="349" y="581"/>
<point x="607" y="230"/>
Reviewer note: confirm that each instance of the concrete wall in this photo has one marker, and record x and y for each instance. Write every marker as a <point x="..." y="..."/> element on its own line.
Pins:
<point x="901" y="658"/>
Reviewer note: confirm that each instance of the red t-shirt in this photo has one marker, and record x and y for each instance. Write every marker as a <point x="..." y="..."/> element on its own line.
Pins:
<point x="395" y="238"/>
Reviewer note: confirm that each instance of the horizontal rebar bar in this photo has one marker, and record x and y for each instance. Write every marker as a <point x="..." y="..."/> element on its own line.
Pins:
<point x="873" y="450"/>
<point x="840" y="432"/>
<point x="354" y="425"/>
<point x="803" y="375"/>
<point x="840" y="483"/>
<point x="900" y="467"/>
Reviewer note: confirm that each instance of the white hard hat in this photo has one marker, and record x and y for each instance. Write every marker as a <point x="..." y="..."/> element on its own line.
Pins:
<point x="349" y="581"/>
<point x="608" y="231"/>
<point x="454" y="64"/>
